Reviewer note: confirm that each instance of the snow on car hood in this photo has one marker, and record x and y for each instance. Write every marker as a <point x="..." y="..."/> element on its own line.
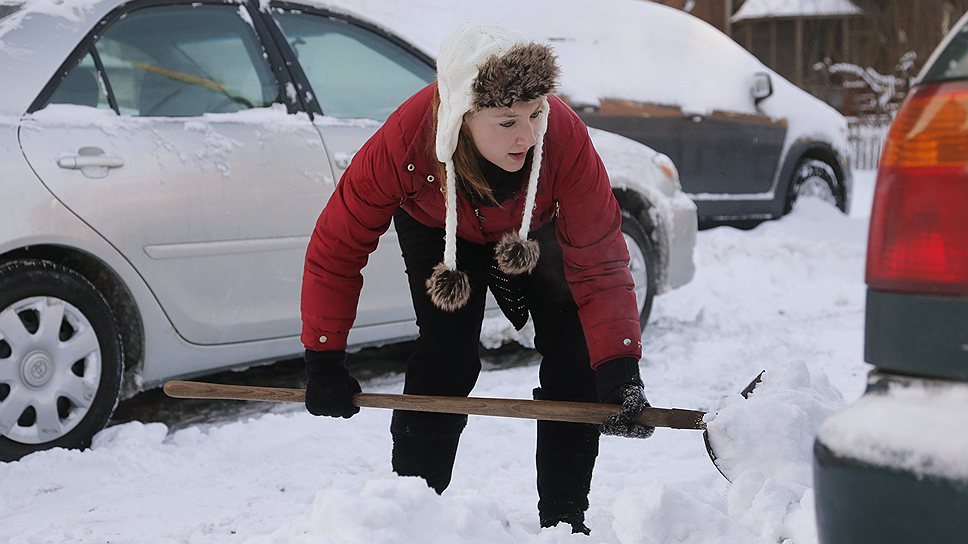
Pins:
<point x="887" y="428"/>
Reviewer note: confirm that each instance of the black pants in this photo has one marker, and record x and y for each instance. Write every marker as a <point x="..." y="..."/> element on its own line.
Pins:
<point x="446" y="362"/>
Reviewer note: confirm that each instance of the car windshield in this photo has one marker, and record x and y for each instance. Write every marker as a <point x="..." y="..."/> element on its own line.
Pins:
<point x="953" y="61"/>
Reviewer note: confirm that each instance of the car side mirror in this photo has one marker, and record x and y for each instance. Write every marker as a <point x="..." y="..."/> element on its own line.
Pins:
<point x="762" y="87"/>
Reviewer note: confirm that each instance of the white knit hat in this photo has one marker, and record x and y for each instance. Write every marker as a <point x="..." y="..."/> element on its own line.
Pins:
<point x="480" y="67"/>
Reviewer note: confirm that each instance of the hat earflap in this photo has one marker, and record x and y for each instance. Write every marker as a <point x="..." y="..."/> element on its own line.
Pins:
<point x="448" y="289"/>
<point x="515" y="255"/>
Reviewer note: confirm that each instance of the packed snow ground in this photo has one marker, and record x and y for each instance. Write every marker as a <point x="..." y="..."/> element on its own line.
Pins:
<point x="787" y="297"/>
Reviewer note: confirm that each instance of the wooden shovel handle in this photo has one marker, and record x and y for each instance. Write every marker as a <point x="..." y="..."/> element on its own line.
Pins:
<point x="549" y="410"/>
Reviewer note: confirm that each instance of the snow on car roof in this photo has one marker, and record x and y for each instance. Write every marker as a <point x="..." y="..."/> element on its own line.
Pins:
<point x="613" y="49"/>
<point x="762" y="9"/>
<point x="623" y="49"/>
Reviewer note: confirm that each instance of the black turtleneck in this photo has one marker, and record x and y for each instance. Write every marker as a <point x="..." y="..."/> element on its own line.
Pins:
<point x="504" y="185"/>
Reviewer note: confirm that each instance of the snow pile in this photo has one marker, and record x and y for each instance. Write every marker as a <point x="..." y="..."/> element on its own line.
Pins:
<point x="394" y="510"/>
<point x="664" y="514"/>
<point x="764" y="445"/>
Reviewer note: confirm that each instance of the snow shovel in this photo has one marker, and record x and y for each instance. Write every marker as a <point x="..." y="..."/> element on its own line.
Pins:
<point x="746" y="392"/>
<point x="549" y="410"/>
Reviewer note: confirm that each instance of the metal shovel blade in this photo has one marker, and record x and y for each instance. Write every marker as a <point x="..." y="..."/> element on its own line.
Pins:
<point x="746" y="392"/>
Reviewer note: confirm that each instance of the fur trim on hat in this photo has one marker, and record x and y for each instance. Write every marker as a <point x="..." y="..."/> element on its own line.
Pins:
<point x="448" y="289"/>
<point x="516" y="256"/>
<point x="525" y="72"/>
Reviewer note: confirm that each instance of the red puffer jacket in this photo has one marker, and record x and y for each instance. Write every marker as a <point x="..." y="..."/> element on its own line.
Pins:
<point x="396" y="169"/>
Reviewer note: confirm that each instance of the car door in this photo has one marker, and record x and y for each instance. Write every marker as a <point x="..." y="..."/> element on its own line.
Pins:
<point x="721" y="156"/>
<point x="730" y="154"/>
<point x="200" y="176"/>
<point x="357" y="76"/>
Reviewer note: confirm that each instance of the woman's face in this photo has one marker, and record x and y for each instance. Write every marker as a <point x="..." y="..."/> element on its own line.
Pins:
<point x="504" y="135"/>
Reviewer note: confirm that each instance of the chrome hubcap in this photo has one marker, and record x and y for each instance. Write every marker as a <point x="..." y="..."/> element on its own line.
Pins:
<point x="50" y="368"/>
<point x="812" y="180"/>
<point x="817" y="187"/>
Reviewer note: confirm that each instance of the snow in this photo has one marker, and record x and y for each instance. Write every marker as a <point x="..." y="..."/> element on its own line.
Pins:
<point x="786" y="297"/>
<point x="888" y="429"/>
<point x="761" y="9"/>
<point x="650" y="43"/>
<point x="274" y="118"/>
<point x="71" y="10"/>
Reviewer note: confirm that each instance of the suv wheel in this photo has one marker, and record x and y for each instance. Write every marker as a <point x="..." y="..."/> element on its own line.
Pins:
<point x="60" y="359"/>
<point x="814" y="177"/>
<point x="642" y="264"/>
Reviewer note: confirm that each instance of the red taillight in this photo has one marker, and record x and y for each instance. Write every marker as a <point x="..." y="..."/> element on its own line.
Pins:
<point x="919" y="223"/>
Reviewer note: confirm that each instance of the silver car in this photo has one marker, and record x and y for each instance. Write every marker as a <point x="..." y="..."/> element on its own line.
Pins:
<point x="162" y="164"/>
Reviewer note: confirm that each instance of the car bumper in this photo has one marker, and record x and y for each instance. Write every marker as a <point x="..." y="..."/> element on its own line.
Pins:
<point x="892" y="466"/>
<point x="681" y="232"/>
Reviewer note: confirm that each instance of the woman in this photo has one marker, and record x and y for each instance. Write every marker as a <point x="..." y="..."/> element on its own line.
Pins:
<point x="489" y="169"/>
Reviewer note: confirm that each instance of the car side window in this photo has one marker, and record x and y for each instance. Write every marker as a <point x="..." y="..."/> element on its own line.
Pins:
<point x="354" y="73"/>
<point x="83" y="86"/>
<point x="186" y="60"/>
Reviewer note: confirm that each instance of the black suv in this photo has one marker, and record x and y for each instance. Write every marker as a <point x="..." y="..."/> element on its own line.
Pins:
<point x="893" y="467"/>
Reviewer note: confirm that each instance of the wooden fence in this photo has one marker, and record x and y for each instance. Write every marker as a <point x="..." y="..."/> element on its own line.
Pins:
<point x="866" y="136"/>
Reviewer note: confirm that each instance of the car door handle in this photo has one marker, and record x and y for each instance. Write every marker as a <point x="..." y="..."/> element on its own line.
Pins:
<point x="77" y="162"/>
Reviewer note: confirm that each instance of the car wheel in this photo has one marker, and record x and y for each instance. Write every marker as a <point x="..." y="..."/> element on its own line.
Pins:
<point x="60" y="359"/>
<point x="814" y="178"/>
<point x="642" y="264"/>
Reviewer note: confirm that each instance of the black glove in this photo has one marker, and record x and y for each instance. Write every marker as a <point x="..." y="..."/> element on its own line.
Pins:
<point x="618" y="382"/>
<point x="329" y="385"/>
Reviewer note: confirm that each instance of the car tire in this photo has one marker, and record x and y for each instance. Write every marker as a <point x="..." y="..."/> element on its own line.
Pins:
<point x="642" y="264"/>
<point x="61" y="358"/>
<point x="816" y="178"/>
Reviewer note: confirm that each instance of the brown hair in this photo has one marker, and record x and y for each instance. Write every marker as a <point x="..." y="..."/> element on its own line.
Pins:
<point x="466" y="159"/>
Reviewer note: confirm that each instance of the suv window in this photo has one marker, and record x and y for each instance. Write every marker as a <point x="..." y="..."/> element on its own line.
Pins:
<point x="354" y="73"/>
<point x="186" y="60"/>
<point x="82" y="86"/>
<point x="953" y="61"/>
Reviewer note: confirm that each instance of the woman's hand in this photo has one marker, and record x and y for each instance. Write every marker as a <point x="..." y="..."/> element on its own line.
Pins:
<point x="329" y="385"/>
<point x="618" y="382"/>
